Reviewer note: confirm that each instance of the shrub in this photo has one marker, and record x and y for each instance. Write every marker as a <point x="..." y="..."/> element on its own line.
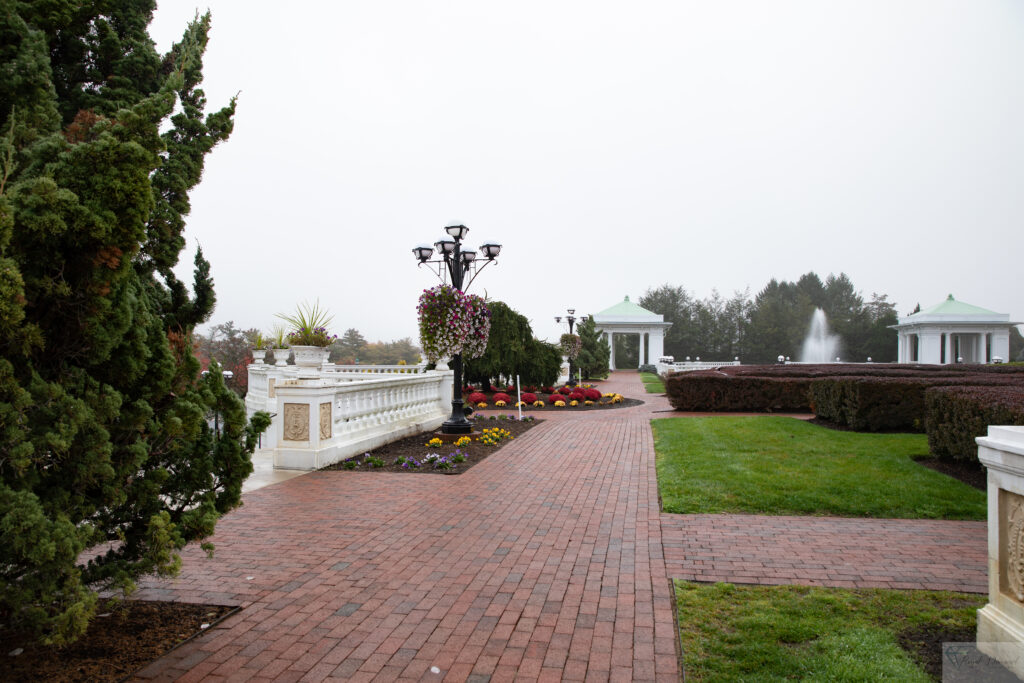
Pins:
<point x="577" y="395"/>
<point x="477" y="397"/>
<point x="529" y="397"/>
<point x="530" y="388"/>
<point x="957" y="415"/>
<point x="538" y="404"/>
<point x="547" y="390"/>
<point x="647" y="367"/>
<point x="560" y="403"/>
<point x="565" y="391"/>
<point x="494" y="389"/>
<point x="502" y="397"/>
<point x="592" y="394"/>
<point x="712" y="391"/>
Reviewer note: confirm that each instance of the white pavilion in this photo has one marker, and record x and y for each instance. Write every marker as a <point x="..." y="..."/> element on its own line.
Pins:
<point x="954" y="332"/>
<point x="626" y="317"/>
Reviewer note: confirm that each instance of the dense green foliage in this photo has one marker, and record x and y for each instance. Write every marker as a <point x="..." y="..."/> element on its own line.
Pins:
<point x="784" y="466"/>
<point x="775" y="322"/>
<point x="512" y="350"/>
<point x="783" y="633"/>
<point x="957" y="415"/>
<point x="594" y="352"/>
<point x="108" y="463"/>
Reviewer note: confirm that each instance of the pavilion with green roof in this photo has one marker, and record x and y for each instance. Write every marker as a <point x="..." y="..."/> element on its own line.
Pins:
<point x="626" y="317"/>
<point x="954" y="332"/>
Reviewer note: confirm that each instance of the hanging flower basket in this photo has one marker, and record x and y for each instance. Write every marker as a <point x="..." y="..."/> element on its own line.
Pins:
<point x="452" y="322"/>
<point x="571" y="345"/>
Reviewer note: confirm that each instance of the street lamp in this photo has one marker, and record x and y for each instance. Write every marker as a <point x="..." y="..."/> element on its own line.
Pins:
<point x="453" y="264"/>
<point x="571" y="319"/>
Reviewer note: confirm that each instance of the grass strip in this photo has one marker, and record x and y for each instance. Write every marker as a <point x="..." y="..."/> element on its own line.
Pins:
<point x="785" y="466"/>
<point x="652" y="383"/>
<point x="781" y="633"/>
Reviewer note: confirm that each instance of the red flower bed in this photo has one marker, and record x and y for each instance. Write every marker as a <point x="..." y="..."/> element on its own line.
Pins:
<point x="528" y="397"/>
<point x="547" y="390"/>
<point x="499" y="396"/>
<point x="577" y="396"/>
<point x="565" y="391"/>
<point x="477" y="397"/>
<point x="556" y="397"/>
<point x="592" y="394"/>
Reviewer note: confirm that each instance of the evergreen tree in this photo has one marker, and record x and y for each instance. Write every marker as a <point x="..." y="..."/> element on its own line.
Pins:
<point x="512" y="350"/>
<point x="105" y="426"/>
<point x="594" y="351"/>
<point x="349" y="347"/>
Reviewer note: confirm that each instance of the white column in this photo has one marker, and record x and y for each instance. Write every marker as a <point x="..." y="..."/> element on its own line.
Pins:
<point x="657" y="344"/>
<point x="1001" y="345"/>
<point x="949" y="348"/>
<point x="611" y="343"/>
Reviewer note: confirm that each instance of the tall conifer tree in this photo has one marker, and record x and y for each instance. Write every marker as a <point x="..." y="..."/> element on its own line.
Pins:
<point x="108" y="463"/>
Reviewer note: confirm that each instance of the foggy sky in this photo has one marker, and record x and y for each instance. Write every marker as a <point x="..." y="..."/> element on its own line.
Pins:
<point x="610" y="147"/>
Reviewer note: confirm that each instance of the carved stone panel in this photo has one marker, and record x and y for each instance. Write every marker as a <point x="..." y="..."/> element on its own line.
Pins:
<point x="325" y="420"/>
<point x="1011" y="544"/>
<point x="296" y="421"/>
<point x="271" y="393"/>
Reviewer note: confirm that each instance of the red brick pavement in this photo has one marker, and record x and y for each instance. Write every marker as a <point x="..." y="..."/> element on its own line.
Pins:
<point x="544" y="562"/>
<point x="827" y="551"/>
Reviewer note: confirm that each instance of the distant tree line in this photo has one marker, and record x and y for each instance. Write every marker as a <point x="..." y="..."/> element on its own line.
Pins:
<point x="773" y="323"/>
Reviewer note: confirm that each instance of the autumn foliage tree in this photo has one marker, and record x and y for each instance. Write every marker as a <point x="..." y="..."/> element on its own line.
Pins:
<point x="108" y="462"/>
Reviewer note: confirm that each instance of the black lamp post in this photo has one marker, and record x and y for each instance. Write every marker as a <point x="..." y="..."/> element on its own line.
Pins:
<point x="456" y="263"/>
<point x="571" y="319"/>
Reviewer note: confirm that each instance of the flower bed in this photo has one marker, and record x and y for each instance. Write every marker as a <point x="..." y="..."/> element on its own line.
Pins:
<point x="584" y="397"/>
<point x="419" y="454"/>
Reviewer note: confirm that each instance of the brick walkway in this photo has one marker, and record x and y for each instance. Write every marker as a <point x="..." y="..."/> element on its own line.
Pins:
<point x="546" y="561"/>
<point x="542" y="562"/>
<point x="827" y="551"/>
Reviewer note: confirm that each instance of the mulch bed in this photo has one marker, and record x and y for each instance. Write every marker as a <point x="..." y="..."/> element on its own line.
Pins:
<point x="116" y="645"/>
<point x="970" y="473"/>
<point x="925" y="646"/>
<point x="416" y="447"/>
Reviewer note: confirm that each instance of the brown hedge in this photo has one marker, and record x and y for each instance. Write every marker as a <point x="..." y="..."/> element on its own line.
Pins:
<point x="712" y="391"/>
<point x="957" y="415"/>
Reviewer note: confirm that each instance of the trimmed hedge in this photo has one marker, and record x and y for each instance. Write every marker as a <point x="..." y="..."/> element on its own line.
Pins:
<point x="863" y="397"/>
<point x="957" y="415"/>
<point x="885" y="404"/>
<point x="713" y="391"/>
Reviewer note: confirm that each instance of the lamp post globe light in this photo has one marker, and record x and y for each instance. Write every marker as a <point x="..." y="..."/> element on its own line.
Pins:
<point x="571" y="320"/>
<point x="454" y="263"/>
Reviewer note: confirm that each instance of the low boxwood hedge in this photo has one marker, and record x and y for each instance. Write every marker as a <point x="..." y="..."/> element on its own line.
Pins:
<point x="957" y="415"/>
<point x="713" y="391"/>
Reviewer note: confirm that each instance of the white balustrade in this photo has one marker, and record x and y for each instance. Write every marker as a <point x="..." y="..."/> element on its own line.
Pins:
<point x="664" y="369"/>
<point x="343" y="411"/>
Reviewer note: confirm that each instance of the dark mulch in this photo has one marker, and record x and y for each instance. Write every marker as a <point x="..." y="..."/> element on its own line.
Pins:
<point x="115" y="646"/>
<point x="970" y="473"/>
<point x="925" y="646"/>
<point x="416" y="447"/>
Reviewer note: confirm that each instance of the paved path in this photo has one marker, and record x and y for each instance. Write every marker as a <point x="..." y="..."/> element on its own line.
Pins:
<point x="543" y="562"/>
<point x="546" y="561"/>
<point x="827" y="551"/>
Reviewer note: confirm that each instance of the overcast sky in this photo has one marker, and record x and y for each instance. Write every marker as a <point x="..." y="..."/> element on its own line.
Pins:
<point x="610" y="147"/>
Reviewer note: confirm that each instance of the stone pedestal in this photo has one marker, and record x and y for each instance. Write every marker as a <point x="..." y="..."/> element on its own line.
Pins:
<point x="1001" y="621"/>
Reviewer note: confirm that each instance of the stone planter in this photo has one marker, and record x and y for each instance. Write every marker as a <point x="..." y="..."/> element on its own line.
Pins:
<point x="309" y="356"/>
<point x="281" y="357"/>
<point x="258" y="355"/>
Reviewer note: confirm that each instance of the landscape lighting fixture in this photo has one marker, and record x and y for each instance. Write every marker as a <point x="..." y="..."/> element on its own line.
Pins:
<point x="423" y="252"/>
<point x="456" y="230"/>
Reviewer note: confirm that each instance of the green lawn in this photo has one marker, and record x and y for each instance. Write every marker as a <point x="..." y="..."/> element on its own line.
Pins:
<point x="784" y="466"/>
<point x="652" y="383"/>
<point x="781" y="633"/>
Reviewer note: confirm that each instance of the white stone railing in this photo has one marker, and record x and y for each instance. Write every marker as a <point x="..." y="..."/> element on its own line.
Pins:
<point x="376" y="369"/>
<point x="1001" y="621"/>
<point x="664" y="369"/>
<point x="320" y="416"/>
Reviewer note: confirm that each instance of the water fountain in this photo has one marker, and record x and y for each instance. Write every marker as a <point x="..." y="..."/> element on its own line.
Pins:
<point x="819" y="345"/>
